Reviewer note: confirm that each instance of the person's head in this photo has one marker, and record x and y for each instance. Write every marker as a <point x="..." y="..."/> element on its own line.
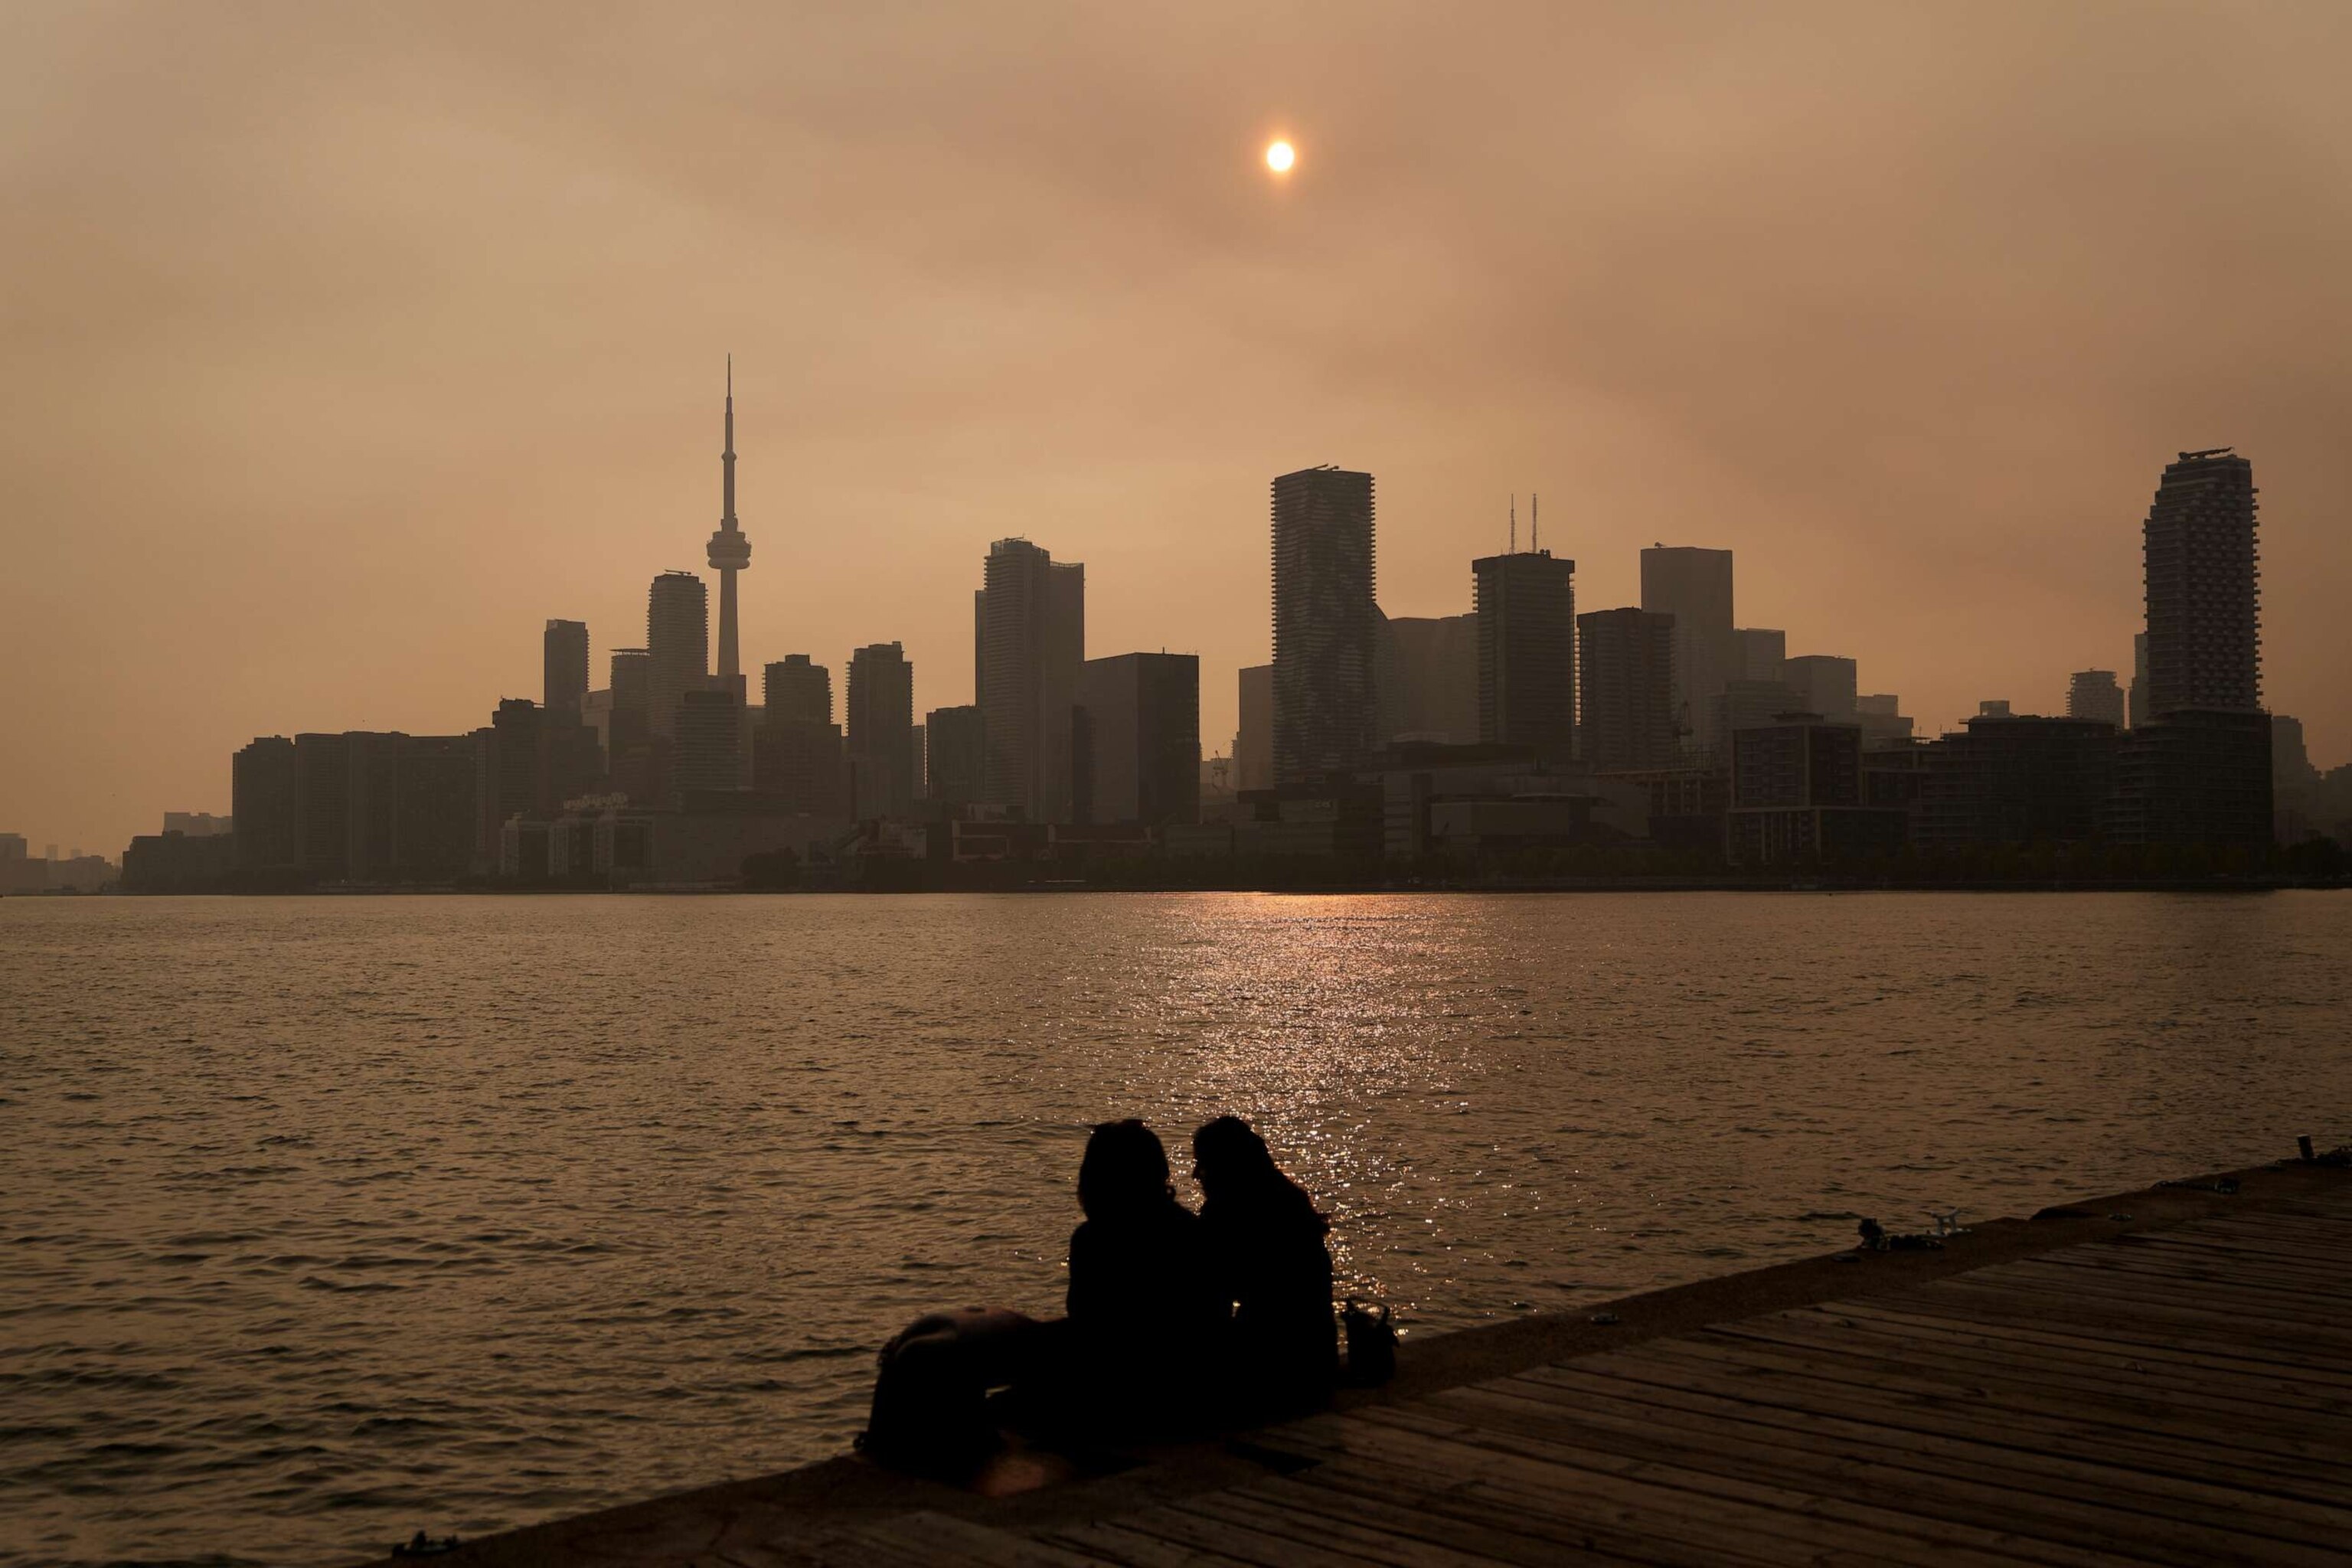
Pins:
<point x="1125" y="1170"/>
<point x="1228" y="1156"/>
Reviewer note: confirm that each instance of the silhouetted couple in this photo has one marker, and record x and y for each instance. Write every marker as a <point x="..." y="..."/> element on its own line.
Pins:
<point x="1179" y="1323"/>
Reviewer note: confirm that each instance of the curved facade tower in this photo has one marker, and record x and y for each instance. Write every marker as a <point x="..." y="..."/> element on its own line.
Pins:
<point x="729" y="551"/>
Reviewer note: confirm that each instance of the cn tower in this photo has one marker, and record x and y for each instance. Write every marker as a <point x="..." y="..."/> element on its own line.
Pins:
<point x="729" y="551"/>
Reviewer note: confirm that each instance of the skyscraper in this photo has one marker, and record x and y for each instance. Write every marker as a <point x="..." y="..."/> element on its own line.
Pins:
<point x="1694" y="586"/>
<point x="1762" y="651"/>
<point x="1326" y="623"/>
<point x="1254" y="736"/>
<point x="729" y="551"/>
<point x="956" y="758"/>
<point x="792" y="687"/>
<point x="1626" y="658"/>
<point x="1426" y="676"/>
<point x="881" y="712"/>
<point x="1526" y="606"/>
<point x="1824" y="684"/>
<point x="2136" y="708"/>
<point x="677" y="645"/>
<point x="2093" y="694"/>
<point x="710" y="754"/>
<point x="632" y="693"/>
<point x="1143" y="738"/>
<point x="1032" y="640"/>
<point x="261" y="802"/>
<point x="2204" y="641"/>
<point x="565" y="667"/>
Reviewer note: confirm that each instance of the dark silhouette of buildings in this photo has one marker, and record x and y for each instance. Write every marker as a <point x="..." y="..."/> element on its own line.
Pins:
<point x="1032" y="628"/>
<point x="1694" y="585"/>
<point x="1427" y="676"/>
<point x="2016" y="780"/>
<point x="1525" y="608"/>
<point x="1253" y="733"/>
<point x="709" y="753"/>
<point x="2136" y="705"/>
<point x="1326" y="623"/>
<point x="881" y="712"/>
<point x="1762" y="650"/>
<point x="1824" y="684"/>
<point x="564" y="665"/>
<point x="322" y="804"/>
<point x="1627" y="660"/>
<point x="1797" y="795"/>
<point x="2204" y="644"/>
<point x="797" y="758"/>
<point x="793" y="688"/>
<point x="261" y="802"/>
<point x="729" y="551"/>
<point x="2195" y="775"/>
<point x="678" y="647"/>
<point x="2093" y="694"/>
<point x="955" y="756"/>
<point x="1140" y="715"/>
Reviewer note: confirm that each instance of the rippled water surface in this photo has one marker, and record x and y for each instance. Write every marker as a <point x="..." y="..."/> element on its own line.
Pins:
<point x="329" y="1220"/>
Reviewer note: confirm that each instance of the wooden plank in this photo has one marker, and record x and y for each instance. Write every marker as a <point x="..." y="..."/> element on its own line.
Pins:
<point x="2041" y="1517"/>
<point x="2085" y="1321"/>
<point x="1108" y="1540"/>
<point x="2119" y="1273"/>
<point x="928" y="1537"/>
<point x="1380" y="1501"/>
<point x="1281" y="1518"/>
<point x="2149" y="1349"/>
<point x="2315" y="1298"/>
<point x="2066" y="1300"/>
<point x="1247" y="1542"/>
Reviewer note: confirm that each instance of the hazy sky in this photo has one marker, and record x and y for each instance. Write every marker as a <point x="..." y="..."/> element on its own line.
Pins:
<point x="344" y="345"/>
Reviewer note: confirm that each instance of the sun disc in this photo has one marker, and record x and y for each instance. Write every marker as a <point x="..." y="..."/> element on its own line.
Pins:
<point x="1280" y="156"/>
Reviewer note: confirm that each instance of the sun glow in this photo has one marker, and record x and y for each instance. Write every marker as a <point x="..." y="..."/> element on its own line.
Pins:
<point x="1279" y="156"/>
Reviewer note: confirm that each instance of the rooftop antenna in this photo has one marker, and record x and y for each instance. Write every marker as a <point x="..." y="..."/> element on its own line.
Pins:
<point x="1535" y="523"/>
<point x="1515" y="525"/>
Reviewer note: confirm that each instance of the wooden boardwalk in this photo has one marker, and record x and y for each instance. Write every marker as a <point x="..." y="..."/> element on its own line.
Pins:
<point x="2164" y="1394"/>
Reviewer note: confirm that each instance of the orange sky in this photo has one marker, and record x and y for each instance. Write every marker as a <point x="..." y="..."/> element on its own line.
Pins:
<point x="344" y="344"/>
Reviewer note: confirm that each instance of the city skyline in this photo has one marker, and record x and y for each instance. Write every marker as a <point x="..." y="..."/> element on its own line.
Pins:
<point x="357" y="512"/>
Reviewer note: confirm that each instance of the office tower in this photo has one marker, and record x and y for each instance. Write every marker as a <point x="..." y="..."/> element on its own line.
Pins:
<point x="1526" y="606"/>
<point x="1626" y="660"/>
<point x="2204" y="642"/>
<point x="1748" y="705"/>
<point x="321" y="798"/>
<point x="801" y="764"/>
<point x="1326" y="700"/>
<point x="1032" y="640"/>
<point x="1695" y="587"/>
<point x="1254" y="734"/>
<point x="1762" y="651"/>
<point x="710" y="754"/>
<point x="2137" y="707"/>
<point x="1142" y="726"/>
<point x="793" y="688"/>
<point x="678" y="647"/>
<point x="2290" y="758"/>
<point x="509" y="771"/>
<point x="1425" y="672"/>
<point x="880" y="707"/>
<point x="1824" y="684"/>
<point x="1994" y="708"/>
<point x="261" y="802"/>
<point x="2093" y="694"/>
<point x="632" y="694"/>
<point x="956" y="754"/>
<point x="1798" y="794"/>
<point x="564" y="662"/>
<point x="1880" y="717"/>
<point x="729" y="551"/>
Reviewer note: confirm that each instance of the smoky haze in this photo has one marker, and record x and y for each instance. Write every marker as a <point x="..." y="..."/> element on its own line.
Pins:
<point x="345" y="345"/>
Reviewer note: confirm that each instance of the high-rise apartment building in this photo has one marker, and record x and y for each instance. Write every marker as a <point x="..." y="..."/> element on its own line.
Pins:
<point x="1426" y="674"/>
<point x="1033" y="638"/>
<point x="880" y="707"/>
<point x="321" y="801"/>
<point x="709" y="751"/>
<point x="2093" y="694"/>
<point x="2136" y="704"/>
<point x="678" y="647"/>
<point x="2204" y="638"/>
<point x="1141" y="718"/>
<point x="1626" y="660"/>
<point x="1254" y="731"/>
<point x="955" y="756"/>
<point x="1694" y="586"/>
<point x="794" y="687"/>
<point x="1526" y="606"/>
<point x="261" y="802"/>
<point x="1824" y="684"/>
<point x="1762" y="651"/>
<point x="565" y="667"/>
<point x="1326" y="623"/>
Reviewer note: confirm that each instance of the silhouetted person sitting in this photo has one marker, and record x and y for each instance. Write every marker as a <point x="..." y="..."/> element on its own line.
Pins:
<point x="1146" y="1320"/>
<point x="1265" y="1244"/>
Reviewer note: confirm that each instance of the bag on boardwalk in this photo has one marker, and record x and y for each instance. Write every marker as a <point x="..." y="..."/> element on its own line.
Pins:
<point x="1372" y="1343"/>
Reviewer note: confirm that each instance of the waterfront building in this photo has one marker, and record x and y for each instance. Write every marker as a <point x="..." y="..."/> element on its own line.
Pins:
<point x="1033" y="638"/>
<point x="1325" y="706"/>
<point x="955" y="756"/>
<point x="2196" y="775"/>
<point x="1626" y="659"/>
<point x="1427" y="676"/>
<point x="1762" y="652"/>
<point x="1254" y="735"/>
<point x="321" y="805"/>
<point x="1694" y="585"/>
<point x="2204" y="644"/>
<point x="729" y="551"/>
<point x="2136" y="704"/>
<point x="1797" y="795"/>
<point x="802" y="765"/>
<point x="563" y="658"/>
<point x="173" y="861"/>
<point x="2016" y="779"/>
<point x="880" y="708"/>
<point x="205" y="824"/>
<point x="1139" y="717"/>
<point x="261" y="796"/>
<point x="433" y="811"/>
<point x="509" y="773"/>
<point x="710" y="754"/>
<point x="2290" y="758"/>
<point x="1824" y="684"/>
<point x="2093" y="694"/>
<point x="1526" y="607"/>
<point x="678" y="647"/>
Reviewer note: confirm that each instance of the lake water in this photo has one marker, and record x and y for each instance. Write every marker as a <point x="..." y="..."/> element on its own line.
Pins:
<point x="328" y="1220"/>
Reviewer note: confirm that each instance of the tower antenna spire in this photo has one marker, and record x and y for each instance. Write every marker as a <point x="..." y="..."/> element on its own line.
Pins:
<point x="729" y="551"/>
<point x="1514" y="524"/>
<point x="1535" y="522"/>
